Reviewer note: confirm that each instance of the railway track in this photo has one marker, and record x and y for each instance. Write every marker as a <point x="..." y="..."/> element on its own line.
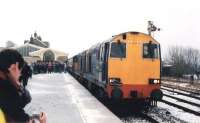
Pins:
<point x="189" y="90"/>
<point x="182" y="100"/>
<point x="149" y="118"/>
<point x="163" y="115"/>
<point x="181" y="107"/>
<point x="188" y="95"/>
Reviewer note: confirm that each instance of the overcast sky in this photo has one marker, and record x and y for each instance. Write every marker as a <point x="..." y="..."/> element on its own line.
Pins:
<point x="75" y="25"/>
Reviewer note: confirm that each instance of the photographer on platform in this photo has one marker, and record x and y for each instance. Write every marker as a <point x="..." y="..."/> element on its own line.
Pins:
<point x="13" y="96"/>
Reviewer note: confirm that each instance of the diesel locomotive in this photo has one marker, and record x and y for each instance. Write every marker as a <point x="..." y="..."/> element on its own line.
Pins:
<point x="125" y="67"/>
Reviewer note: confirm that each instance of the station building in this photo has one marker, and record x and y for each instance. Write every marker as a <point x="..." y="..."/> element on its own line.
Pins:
<point x="37" y="50"/>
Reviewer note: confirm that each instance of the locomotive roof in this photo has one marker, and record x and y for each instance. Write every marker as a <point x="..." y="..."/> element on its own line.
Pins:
<point x="134" y="33"/>
<point x="131" y="32"/>
<point x="113" y="37"/>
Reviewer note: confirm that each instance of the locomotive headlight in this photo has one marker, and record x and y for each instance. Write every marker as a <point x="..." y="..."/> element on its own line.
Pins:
<point x="115" y="81"/>
<point x="154" y="81"/>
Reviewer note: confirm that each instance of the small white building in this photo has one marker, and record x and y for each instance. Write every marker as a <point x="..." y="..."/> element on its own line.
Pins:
<point x="48" y="54"/>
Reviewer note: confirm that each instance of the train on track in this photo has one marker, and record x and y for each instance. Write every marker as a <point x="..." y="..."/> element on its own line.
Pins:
<point x="125" y="67"/>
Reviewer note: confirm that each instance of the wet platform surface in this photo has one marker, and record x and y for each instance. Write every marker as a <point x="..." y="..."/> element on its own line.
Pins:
<point x="64" y="100"/>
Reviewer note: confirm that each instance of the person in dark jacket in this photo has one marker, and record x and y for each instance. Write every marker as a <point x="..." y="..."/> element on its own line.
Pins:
<point x="13" y="97"/>
<point x="26" y="73"/>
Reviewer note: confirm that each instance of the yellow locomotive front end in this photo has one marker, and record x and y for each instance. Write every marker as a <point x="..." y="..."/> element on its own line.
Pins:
<point x="134" y="67"/>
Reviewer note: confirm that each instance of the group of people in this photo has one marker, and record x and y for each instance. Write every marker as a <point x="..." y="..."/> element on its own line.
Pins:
<point x="13" y="96"/>
<point x="48" y="67"/>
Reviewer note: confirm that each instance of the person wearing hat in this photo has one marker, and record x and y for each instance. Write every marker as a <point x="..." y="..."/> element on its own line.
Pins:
<point x="13" y="97"/>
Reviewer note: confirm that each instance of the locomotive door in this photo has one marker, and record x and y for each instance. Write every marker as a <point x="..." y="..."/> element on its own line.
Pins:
<point x="104" y="62"/>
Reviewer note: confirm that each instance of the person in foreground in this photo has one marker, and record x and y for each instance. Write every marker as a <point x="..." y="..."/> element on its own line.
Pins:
<point x="13" y="96"/>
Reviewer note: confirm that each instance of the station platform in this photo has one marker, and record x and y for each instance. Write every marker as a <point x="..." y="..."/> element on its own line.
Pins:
<point x="64" y="100"/>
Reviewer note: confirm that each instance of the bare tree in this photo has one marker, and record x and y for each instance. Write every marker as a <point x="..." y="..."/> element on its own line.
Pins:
<point x="185" y="60"/>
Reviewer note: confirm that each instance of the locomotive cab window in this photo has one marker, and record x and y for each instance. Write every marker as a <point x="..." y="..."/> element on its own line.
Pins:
<point x="150" y="50"/>
<point x="118" y="50"/>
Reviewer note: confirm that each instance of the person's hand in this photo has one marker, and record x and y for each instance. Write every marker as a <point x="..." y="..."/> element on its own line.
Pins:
<point x="43" y="117"/>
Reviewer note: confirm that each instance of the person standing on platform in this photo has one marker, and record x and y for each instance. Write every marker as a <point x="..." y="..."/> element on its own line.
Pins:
<point x="26" y="73"/>
<point x="49" y="67"/>
<point x="13" y="97"/>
